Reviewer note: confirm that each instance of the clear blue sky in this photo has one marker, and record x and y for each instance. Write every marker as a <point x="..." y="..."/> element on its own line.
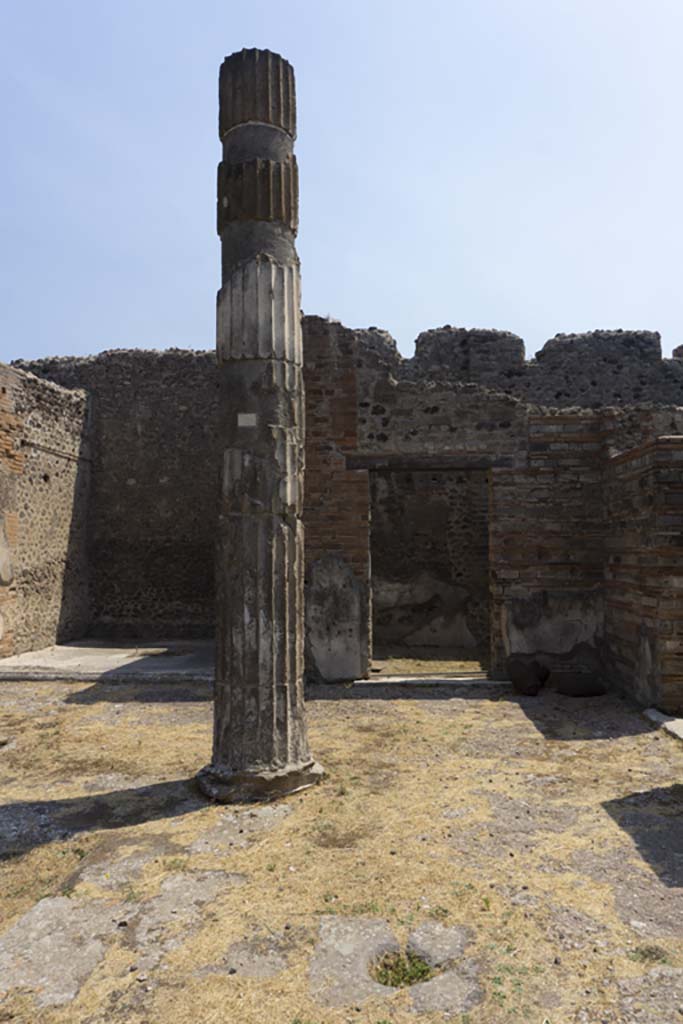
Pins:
<point x="493" y="163"/>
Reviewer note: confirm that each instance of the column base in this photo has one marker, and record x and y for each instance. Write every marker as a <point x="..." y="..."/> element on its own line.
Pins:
<point x="226" y="787"/>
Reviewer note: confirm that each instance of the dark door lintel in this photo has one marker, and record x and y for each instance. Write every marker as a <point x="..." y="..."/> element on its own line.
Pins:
<point x="414" y="463"/>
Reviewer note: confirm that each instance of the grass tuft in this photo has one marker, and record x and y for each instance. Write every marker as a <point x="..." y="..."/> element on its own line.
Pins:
<point x="398" y="971"/>
<point x="649" y="955"/>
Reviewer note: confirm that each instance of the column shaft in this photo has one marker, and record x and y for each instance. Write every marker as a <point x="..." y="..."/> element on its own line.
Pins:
<point x="260" y="742"/>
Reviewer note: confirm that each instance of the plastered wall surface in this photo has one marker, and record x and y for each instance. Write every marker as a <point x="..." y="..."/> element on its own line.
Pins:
<point x="44" y="485"/>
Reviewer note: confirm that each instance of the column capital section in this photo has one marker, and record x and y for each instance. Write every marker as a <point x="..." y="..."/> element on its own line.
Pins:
<point x="256" y="87"/>
<point x="260" y="190"/>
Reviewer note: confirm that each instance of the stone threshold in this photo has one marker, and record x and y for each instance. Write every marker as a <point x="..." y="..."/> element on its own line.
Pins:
<point x="480" y="681"/>
<point x="115" y="676"/>
<point x="173" y="661"/>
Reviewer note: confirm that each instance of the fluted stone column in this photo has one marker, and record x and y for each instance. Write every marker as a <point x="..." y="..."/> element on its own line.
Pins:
<point x="260" y="743"/>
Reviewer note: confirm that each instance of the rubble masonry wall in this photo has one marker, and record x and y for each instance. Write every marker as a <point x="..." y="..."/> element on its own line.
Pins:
<point x="152" y="506"/>
<point x="44" y="484"/>
<point x="376" y="421"/>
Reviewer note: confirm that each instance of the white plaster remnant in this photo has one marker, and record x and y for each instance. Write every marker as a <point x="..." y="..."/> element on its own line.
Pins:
<point x="674" y="726"/>
<point x="6" y="570"/>
<point x="559" y="627"/>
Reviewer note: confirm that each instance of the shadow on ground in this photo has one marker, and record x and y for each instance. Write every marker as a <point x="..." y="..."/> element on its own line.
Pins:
<point x="654" y="820"/>
<point x="25" y="825"/>
<point x="556" y="717"/>
<point x="442" y="689"/>
<point x="124" y="692"/>
<point x="584" y="718"/>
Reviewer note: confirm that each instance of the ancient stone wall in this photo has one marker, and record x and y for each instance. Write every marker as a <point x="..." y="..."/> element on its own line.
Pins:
<point x="643" y="578"/>
<point x="153" y="500"/>
<point x="403" y="418"/>
<point x="364" y="424"/>
<point x="562" y="543"/>
<point x="428" y="445"/>
<point x="373" y="416"/>
<point x="546" y="545"/>
<point x="336" y="509"/>
<point x="595" y="369"/>
<point x="153" y="507"/>
<point x="44" y="483"/>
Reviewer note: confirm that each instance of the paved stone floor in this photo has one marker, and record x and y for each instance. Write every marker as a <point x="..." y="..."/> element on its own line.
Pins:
<point x="530" y="850"/>
<point x="175" y="660"/>
<point x="89" y="660"/>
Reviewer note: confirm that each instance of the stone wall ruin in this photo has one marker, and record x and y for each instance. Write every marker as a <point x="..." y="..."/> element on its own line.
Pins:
<point x="553" y="442"/>
<point x="44" y="491"/>
<point x="154" y="418"/>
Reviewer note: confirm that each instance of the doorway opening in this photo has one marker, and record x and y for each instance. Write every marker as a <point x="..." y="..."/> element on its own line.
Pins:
<point x="430" y="572"/>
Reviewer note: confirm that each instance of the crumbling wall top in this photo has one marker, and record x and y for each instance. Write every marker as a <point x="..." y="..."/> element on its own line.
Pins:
<point x="473" y="354"/>
<point x="618" y="344"/>
<point x="592" y="369"/>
